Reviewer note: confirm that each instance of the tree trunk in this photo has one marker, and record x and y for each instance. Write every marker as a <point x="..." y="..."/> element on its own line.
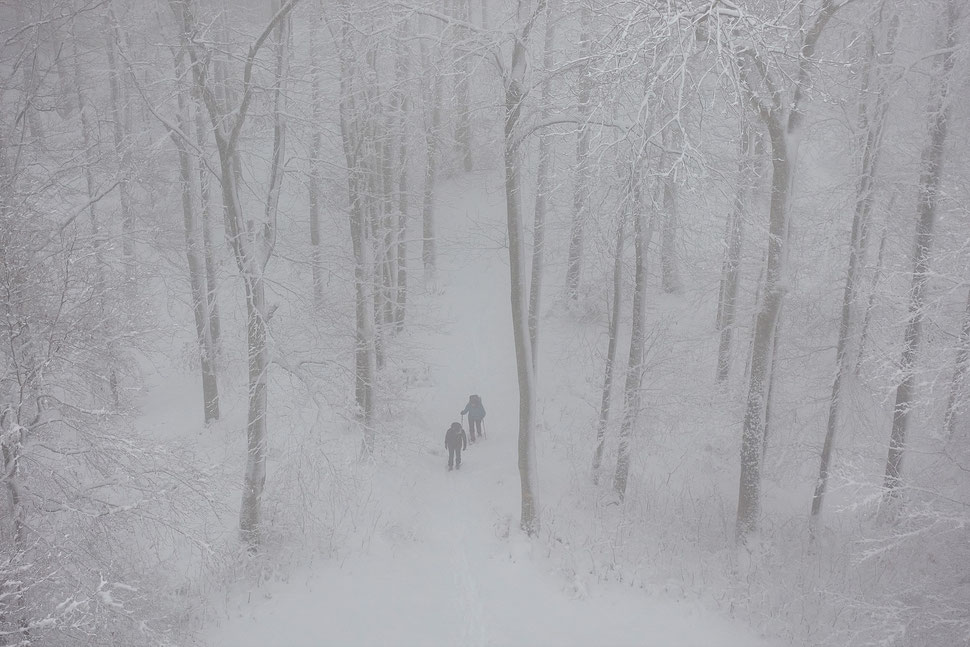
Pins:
<point x="433" y="124"/>
<point x="121" y="129"/>
<point x="752" y="436"/>
<point x="927" y="197"/>
<point x="196" y="263"/>
<point x="365" y="356"/>
<point x="769" y="398"/>
<point x="871" y="303"/>
<point x="208" y="243"/>
<point x="252" y="245"/>
<point x="543" y="190"/>
<point x="256" y="428"/>
<point x="529" y="520"/>
<point x="389" y="227"/>
<point x="31" y="76"/>
<point x="863" y="209"/>
<point x="463" y="127"/>
<point x="401" y="72"/>
<point x="607" y="393"/>
<point x="634" y="371"/>
<point x="730" y="269"/>
<point x="669" y="271"/>
<point x="574" y="261"/>
<point x="316" y="155"/>
<point x="784" y="136"/>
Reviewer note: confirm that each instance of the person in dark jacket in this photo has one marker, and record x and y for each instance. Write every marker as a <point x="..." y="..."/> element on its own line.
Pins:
<point x="455" y="441"/>
<point x="476" y="413"/>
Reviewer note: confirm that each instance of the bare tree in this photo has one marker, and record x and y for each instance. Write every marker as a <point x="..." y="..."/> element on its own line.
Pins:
<point x="121" y="129"/>
<point x="782" y="114"/>
<point x="574" y="262"/>
<point x="606" y="394"/>
<point x="365" y="352"/>
<point x="543" y="187"/>
<point x="252" y="245"/>
<point x="402" y="106"/>
<point x="315" y="179"/>
<point x="527" y="12"/>
<point x="871" y="132"/>
<point x="635" y="363"/>
<point x="669" y="269"/>
<point x="194" y="255"/>
<point x="931" y="175"/>
<point x="734" y="239"/>
<point x="432" y="108"/>
<point x="206" y="217"/>
<point x="463" y="127"/>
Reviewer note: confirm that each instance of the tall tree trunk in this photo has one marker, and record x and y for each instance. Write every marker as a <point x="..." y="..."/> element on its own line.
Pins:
<point x="607" y="393"/>
<point x="316" y="155"/>
<point x="784" y="134"/>
<point x="252" y="246"/>
<point x="401" y="72"/>
<point x="432" y="110"/>
<point x="208" y="242"/>
<point x="121" y="129"/>
<point x="389" y="227"/>
<point x="543" y="190"/>
<point x="634" y="370"/>
<point x="195" y="261"/>
<point x="463" y="126"/>
<point x="769" y="398"/>
<point x="514" y="91"/>
<point x="669" y="271"/>
<point x="927" y="197"/>
<point x="871" y="149"/>
<point x="873" y="286"/>
<point x="256" y="428"/>
<point x="365" y="355"/>
<point x="574" y="261"/>
<point x="752" y="439"/>
<point x="734" y="239"/>
<point x="31" y="74"/>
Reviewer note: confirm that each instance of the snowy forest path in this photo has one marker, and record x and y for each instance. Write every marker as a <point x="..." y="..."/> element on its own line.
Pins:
<point x="446" y="563"/>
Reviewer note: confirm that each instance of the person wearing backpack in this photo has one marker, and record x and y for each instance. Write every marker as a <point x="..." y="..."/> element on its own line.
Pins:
<point x="455" y="441"/>
<point x="476" y="414"/>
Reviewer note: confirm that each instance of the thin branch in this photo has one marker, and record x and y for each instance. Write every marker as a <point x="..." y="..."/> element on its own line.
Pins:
<point x="94" y="200"/>
<point x="248" y="72"/>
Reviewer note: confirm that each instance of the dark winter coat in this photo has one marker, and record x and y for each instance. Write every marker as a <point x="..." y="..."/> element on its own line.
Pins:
<point x="474" y="409"/>
<point x="455" y="437"/>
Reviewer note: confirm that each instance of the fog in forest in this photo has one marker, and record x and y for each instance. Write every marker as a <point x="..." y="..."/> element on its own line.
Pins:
<point x="484" y="322"/>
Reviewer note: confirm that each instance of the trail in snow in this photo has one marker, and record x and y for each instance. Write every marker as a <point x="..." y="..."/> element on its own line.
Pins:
<point x="451" y="567"/>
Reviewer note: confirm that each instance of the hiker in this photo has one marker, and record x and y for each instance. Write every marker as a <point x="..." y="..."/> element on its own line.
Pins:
<point x="476" y="413"/>
<point x="455" y="441"/>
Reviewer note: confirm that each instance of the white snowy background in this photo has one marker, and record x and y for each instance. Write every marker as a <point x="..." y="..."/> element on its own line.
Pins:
<point x="271" y="164"/>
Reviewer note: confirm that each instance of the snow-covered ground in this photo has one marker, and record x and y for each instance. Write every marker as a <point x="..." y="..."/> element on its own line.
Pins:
<point x="447" y="564"/>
